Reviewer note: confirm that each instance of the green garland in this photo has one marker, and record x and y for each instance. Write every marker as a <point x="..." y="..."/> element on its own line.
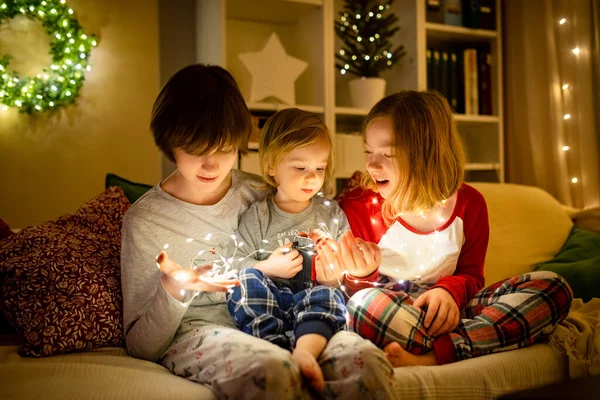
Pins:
<point x="70" y="49"/>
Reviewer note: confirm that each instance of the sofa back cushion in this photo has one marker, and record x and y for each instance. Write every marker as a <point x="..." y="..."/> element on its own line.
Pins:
<point x="527" y="226"/>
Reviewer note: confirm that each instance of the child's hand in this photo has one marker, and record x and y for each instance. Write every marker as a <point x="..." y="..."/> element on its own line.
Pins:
<point x="282" y="263"/>
<point x="360" y="258"/>
<point x="442" y="312"/>
<point x="175" y="278"/>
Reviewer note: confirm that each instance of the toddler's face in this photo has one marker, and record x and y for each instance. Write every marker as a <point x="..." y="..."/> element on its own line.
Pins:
<point x="379" y="155"/>
<point x="206" y="172"/>
<point x="302" y="172"/>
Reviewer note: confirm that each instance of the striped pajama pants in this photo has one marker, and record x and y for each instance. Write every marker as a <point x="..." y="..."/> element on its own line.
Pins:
<point x="264" y="310"/>
<point x="507" y="315"/>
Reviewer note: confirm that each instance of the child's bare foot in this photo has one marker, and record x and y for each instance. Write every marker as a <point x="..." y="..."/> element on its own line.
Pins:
<point x="399" y="357"/>
<point x="310" y="369"/>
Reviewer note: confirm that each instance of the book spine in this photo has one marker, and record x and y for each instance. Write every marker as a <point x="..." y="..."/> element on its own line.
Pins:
<point x="453" y="12"/>
<point x="429" y="69"/>
<point x="470" y="9"/>
<point x="433" y="11"/>
<point x="453" y="81"/>
<point x="467" y="80"/>
<point x="487" y="14"/>
<point x="485" y="87"/>
<point x="436" y="71"/>
<point x="444" y="75"/>
<point x="474" y="83"/>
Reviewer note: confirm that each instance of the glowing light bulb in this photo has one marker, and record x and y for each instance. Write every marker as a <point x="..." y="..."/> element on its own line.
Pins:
<point x="565" y="86"/>
<point x="166" y="246"/>
<point x="567" y="116"/>
<point x="562" y="21"/>
<point x="576" y="50"/>
<point x="565" y="148"/>
<point x="574" y="180"/>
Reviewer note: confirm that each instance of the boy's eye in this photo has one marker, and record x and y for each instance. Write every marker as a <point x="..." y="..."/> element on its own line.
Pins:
<point x="387" y="155"/>
<point x="299" y="168"/>
<point x="321" y="169"/>
<point x="368" y="152"/>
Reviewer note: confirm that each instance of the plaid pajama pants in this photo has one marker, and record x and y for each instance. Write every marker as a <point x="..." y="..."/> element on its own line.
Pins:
<point x="507" y="315"/>
<point x="262" y="309"/>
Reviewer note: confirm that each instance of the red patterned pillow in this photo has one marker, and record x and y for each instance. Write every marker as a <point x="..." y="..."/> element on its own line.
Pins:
<point x="60" y="281"/>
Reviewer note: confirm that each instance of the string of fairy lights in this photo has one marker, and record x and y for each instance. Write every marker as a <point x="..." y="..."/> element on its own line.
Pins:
<point x="224" y="268"/>
<point x="70" y="48"/>
<point x="566" y="86"/>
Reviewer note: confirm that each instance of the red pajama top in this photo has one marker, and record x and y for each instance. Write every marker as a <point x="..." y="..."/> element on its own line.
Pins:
<point x="451" y="257"/>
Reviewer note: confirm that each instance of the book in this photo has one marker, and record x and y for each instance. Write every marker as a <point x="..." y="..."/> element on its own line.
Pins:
<point x="453" y="12"/>
<point x="436" y="71"/>
<point x="485" y="82"/>
<point x="487" y="14"/>
<point x="429" y="57"/>
<point x="474" y="83"/>
<point x="470" y="11"/>
<point x="433" y="11"/>
<point x="444" y="74"/>
<point x="453" y="81"/>
<point x="466" y="73"/>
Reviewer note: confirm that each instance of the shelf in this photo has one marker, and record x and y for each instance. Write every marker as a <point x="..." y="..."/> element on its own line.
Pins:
<point x="482" y="166"/>
<point x="272" y="11"/>
<point x="280" y="106"/>
<point x="490" y="119"/>
<point x="351" y="111"/>
<point x="448" y="33"/>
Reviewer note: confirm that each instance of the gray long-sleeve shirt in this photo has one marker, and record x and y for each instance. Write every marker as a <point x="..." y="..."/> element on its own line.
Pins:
<point x="150" y="315"/>
<point x="264" y="221"/>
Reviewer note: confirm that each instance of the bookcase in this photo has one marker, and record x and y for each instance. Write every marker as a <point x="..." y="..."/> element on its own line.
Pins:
<point x="226" y="28"/>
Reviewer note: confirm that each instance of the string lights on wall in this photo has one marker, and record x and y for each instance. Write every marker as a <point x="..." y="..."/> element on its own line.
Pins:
<point x="565" y="86"/>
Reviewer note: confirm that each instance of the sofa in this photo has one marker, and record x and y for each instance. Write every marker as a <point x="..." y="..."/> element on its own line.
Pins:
<point x="527" y="227"/>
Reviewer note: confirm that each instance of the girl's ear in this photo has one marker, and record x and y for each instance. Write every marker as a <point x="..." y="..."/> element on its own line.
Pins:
<point x="271" y="171"/>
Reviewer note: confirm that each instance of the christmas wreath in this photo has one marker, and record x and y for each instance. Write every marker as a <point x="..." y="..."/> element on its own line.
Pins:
<point x="70" y="48"/>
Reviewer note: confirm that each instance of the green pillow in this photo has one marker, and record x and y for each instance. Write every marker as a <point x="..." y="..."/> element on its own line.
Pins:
<point x="133" y="190"/>
<point x="578" y="261"/>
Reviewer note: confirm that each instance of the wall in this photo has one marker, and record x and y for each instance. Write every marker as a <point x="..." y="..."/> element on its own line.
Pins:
<point x="51" y="164"/>
<point x="177" y="35"/>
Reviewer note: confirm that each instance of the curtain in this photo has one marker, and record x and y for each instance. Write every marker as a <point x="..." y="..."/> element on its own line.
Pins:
<point x="551" y="97"/>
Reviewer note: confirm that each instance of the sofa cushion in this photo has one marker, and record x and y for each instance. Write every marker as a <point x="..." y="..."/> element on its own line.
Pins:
<point x="133" y="190"/>
<point x="60" y="281"/>
<point x="578" y="261"/>
<point x="527" y="226"/>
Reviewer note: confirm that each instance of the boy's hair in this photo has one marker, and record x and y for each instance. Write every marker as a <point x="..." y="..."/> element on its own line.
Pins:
<point x="287" y="130"/>
<point x="428" y="153"/>
<point x="200" y="110"/>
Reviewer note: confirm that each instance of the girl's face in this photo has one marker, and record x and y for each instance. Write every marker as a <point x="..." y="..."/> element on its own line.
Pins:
<point x="379" y="155"/>
<point x="206" y="173"/>
<point x="301" y="173"/>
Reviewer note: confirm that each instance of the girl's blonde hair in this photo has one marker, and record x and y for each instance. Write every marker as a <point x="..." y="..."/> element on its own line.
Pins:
<point x="428" y="153"/>
<point x="287" y="130"/>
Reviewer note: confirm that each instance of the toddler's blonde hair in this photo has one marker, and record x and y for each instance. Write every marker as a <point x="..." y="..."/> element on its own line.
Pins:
<point x="287" y="130"/>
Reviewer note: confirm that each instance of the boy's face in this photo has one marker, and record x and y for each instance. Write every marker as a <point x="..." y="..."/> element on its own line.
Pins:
<point x="379" y="155"/>
<point x="206" y="173"/>
<point x="302" y="172"/>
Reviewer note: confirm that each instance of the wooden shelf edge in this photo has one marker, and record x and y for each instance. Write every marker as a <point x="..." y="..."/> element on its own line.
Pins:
<point x="351" y="111"/>
<point x="281" y="106"/>
<point x="460" y="30"/>
<point x="482" y="166"/>
<point x="476" y="118"/>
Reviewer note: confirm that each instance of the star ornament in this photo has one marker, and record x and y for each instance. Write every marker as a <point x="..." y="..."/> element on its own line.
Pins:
<point x="273" y="72"/>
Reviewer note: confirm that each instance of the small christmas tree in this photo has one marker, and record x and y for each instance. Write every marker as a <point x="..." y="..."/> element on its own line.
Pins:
<point x="366" y="26"/>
